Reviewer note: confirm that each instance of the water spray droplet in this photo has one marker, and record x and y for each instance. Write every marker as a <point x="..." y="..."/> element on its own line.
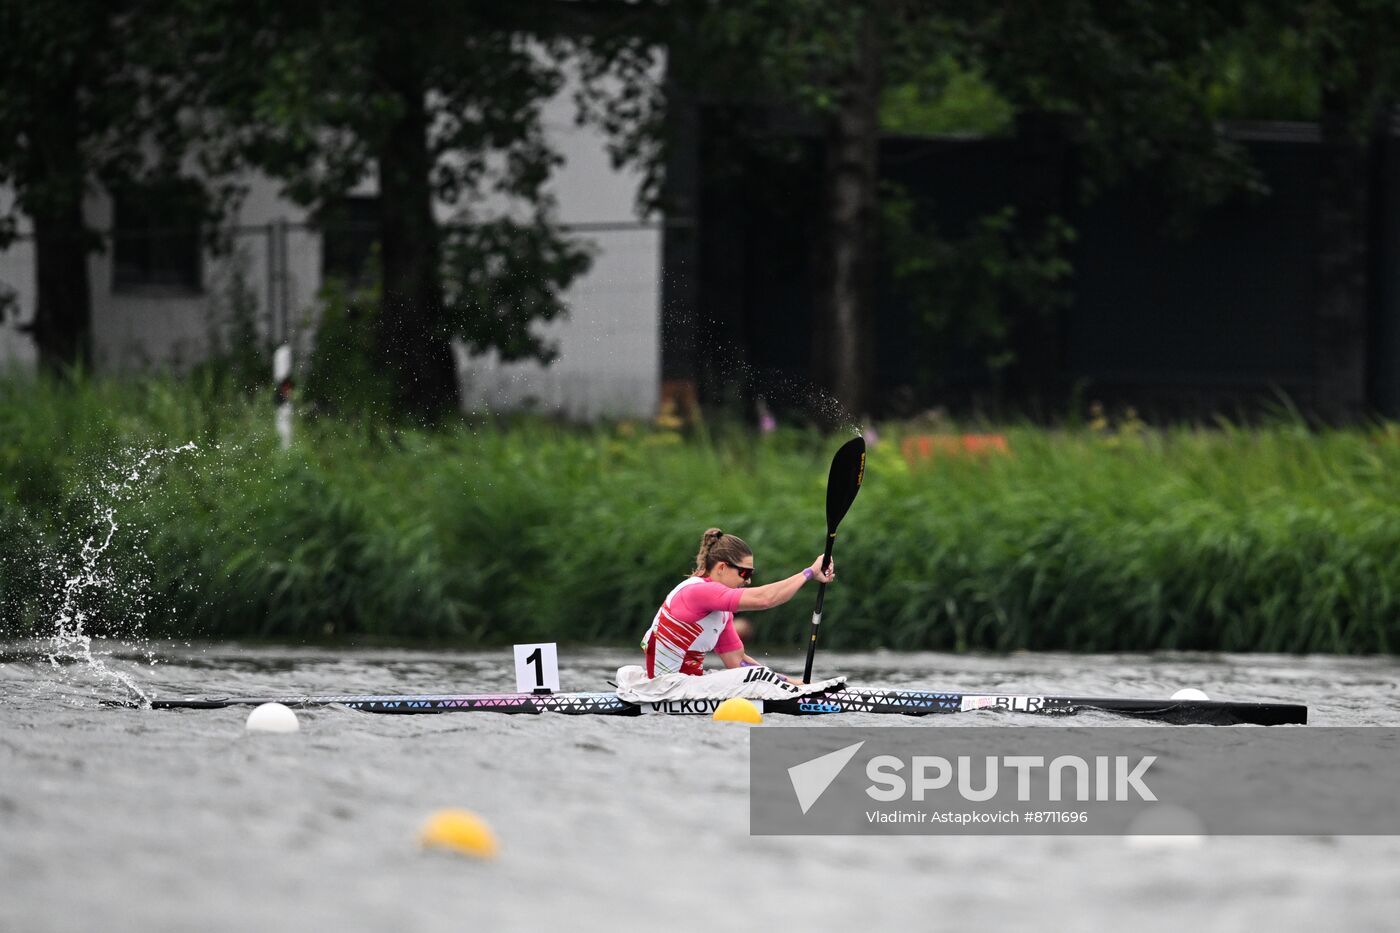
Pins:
<point x="82" y="580"/>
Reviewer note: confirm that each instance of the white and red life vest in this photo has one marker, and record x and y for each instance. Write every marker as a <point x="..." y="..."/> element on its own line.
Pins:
<point x="672" y="645"/>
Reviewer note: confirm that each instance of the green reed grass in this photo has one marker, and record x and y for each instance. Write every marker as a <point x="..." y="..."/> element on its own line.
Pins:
<point x="1274" y="538"/>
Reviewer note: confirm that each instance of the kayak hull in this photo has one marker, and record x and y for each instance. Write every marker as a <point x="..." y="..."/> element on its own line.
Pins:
<point x="843" y="700"/>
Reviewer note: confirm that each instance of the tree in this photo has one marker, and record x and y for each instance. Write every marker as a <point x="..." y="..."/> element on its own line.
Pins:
<point x="85" y="94"/>
<point x="834" y="61"/>
<point x="1123" y="84"/>
<point x="1114" y="89"/>
<point x="1129" y="80"/>
<point x="442" y="101"/>
<point x="1143" y="82"/>
<point x="1355" y="53"/>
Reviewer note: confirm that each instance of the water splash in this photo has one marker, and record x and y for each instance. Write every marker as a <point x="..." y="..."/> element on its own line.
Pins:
<point x="83" y="580"/>
<point x="774" y="386"/>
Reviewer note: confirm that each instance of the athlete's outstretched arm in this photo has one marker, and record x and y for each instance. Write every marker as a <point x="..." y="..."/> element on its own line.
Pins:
<point x="775" y="594"/>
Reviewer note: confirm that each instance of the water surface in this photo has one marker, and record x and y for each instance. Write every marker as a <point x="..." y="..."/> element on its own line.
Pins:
<point x="137" y="820"/>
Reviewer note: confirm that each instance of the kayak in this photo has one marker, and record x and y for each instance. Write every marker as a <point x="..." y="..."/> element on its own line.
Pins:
<point x="835" y="701"/>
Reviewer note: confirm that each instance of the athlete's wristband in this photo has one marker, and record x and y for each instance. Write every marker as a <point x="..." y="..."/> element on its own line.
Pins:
<point x="807" y="573"/>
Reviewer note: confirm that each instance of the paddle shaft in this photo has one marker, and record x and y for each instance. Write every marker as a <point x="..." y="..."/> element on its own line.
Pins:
<point x="842" y="484"/>
<point x="817" y="614"/>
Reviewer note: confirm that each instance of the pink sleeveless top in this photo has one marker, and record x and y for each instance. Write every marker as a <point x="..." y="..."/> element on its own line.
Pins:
<point x="697" y="617"/>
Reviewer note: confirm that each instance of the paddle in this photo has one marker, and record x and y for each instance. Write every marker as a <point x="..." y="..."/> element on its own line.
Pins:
<point x="842" y="484"/>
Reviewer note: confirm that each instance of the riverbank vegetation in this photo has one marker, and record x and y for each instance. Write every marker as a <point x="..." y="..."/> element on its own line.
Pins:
<point x="1093" y="537"/>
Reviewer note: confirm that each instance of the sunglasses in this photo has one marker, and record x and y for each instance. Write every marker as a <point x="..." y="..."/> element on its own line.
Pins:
<point x="745" y="573"/>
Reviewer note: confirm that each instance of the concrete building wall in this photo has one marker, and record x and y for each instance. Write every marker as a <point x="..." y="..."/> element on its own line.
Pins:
<point x="17" y="282"/>
<point x="157" y="327"/>
<point x="609" y="359"/>
<point x="609" y="345"/>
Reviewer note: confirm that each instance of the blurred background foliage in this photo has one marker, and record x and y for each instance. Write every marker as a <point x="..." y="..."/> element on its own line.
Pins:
<point x="1095" y="535"/>
<point x="443" y="104"/>
<point x="1100" y="537"/>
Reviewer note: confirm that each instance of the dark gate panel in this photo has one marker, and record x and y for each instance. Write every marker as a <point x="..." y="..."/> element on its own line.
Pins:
<point x="1215" y="315"/>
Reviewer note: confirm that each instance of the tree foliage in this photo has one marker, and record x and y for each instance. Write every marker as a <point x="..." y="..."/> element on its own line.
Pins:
<point x="441" y="103"/>
<point x="89" y="95"/>
<point x="947" y="97"/>
<point x="1131" y="79"/>
<point x="1133" y="88"/>
<point x="961" y="288"/>
<point x="68" y="101"/>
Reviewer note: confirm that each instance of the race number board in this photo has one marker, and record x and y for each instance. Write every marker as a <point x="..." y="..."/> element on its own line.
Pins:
<point x="536" y="668"/>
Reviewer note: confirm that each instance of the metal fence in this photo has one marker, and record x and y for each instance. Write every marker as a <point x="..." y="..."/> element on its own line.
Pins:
<point x="149" y="311"/>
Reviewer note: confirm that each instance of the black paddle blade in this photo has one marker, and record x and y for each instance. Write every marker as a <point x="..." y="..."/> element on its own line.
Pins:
<point x="842" y="484"/>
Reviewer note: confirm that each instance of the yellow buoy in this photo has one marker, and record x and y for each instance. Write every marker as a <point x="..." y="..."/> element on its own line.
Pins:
<point x="737" y="709"/>
<point x="459" y="831"/>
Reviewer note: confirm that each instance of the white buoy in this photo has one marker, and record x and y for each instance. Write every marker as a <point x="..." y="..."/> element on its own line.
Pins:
<point x="272" y="717"/>
<point x="1190" y="693"/>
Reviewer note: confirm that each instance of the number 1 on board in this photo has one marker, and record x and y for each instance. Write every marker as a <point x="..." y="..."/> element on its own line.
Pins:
<point x="537" y="668"/>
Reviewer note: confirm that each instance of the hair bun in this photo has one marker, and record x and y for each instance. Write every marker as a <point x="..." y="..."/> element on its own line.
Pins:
<point x="715" y="546"/>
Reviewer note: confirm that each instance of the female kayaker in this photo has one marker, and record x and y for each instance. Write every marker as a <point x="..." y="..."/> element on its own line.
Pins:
<point x="698" y="615"/>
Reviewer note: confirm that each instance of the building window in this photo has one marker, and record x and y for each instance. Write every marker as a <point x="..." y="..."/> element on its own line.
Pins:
<point x="157" y="242"/>
<point x="349" y="235"/>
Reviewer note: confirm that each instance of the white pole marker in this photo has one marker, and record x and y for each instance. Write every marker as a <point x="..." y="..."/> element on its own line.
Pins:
<point x="282" y="379"/>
